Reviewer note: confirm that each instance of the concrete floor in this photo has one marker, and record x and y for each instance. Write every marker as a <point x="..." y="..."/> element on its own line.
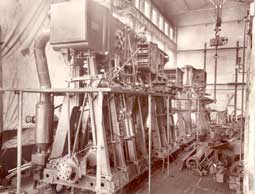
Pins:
<point x="183" y="182"/>
<point x="178" y="182"/>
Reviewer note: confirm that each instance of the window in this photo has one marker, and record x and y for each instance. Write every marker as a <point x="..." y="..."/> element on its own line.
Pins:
<point x="166" y="29"/>
<point x="154" y="17"/>
<point x="137" y="3"/>
<point x="171" y="33"/>
<point x="161" y="23"/>
<point x="174" y="34"/>
<point x="147" y="9"/>
<point x="151" y="13"/>
<point x="141" y="6"/>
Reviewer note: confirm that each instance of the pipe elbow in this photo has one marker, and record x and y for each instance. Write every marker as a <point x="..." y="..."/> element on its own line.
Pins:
<point x="42" y="39"/>
<point x="41" y="59"/>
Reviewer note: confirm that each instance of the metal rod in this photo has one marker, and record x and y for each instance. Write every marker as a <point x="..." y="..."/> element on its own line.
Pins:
<point x="1" y="94"/>
<point x="99" y="143"/>
<point x="68" y="125"/>
<point x="198" y="116"/>
<point x="126" y="62"/>
<point x="124" y="104"/>
<point x="168" y="132"/>
<point x="19" y="141"/>
<point x="92" y="119"/>
<point x="79" y="122"/>
<point x="215" y="74"/>
<point x="208" y="49"/>
<point x="142" y="125"/>
<point x="242" y="104"/>
<point x="205" y="52"/>
<point x="236" y="79"/>
<point x="224" y="84"/>
<point x="150" y="129"/>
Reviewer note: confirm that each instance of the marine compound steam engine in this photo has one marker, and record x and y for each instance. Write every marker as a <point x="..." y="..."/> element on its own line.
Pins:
<point x="117" y="94"/>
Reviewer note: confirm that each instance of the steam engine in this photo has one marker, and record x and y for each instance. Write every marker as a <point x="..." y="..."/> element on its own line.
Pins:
<point x="118" y="93"/>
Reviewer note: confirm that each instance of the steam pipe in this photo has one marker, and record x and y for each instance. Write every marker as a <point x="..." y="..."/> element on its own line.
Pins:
<point x="44" y="108"/>
<point x="41" y="60"/>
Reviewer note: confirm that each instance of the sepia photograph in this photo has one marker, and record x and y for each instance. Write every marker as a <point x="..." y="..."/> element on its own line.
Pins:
<point x="127" y="97"/>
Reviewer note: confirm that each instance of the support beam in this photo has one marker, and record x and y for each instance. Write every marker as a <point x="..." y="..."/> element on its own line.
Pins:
<point x="205" y="52"/>
<point x="169" y="140"/>
<point x="150" y="139"/>
<point x="249" y="132"/>
<point x="246" y="23"/>
<point x="236" y="79"/>
<point x="209" y="49"/>
<point x="68" y="124"/>
<point x="194" y="11"/>
<point x="1" y="94"/>
<point x="19" y="141"/>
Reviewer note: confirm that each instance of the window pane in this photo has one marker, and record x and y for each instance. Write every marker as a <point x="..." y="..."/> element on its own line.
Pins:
<point x="147" y="9"/>
<point x="137" y="3"/>
<point x="166" y="29"/>
<point x="171" y="35"/>
<point x="174" y="34"/>
<point x="161" y="23"/>
<point x="154" y="17"/>
<point x="141" y="6"/>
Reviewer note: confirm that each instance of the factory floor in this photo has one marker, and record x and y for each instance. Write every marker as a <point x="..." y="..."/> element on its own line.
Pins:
<point x="178" y="182"/>
<point x="182" y="182"/>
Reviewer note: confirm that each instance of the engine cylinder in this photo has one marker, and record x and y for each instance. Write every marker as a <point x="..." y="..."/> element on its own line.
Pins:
<point x="44" y="123"/>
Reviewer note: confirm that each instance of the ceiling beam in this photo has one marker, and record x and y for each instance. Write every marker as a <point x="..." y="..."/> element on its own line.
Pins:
<point x="203" y="10"/>
<point x="209" y="23"/>
<point x="241" y="1"/>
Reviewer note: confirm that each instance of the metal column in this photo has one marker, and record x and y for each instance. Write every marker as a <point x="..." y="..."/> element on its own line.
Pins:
<point x="1" y="94"/>
<point x="236" y="79"/>
<point x="118" y="146"/>
<point x="150" y="129"/>
<point x="19" y="141"/>
<point x="205" y="53"/>
<point x="142" y="126"/>
<point x="68" y="124"/>
<point x="215" y="74"/>
<point x="243" y="82"/>
<point x="168" y="132"/>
